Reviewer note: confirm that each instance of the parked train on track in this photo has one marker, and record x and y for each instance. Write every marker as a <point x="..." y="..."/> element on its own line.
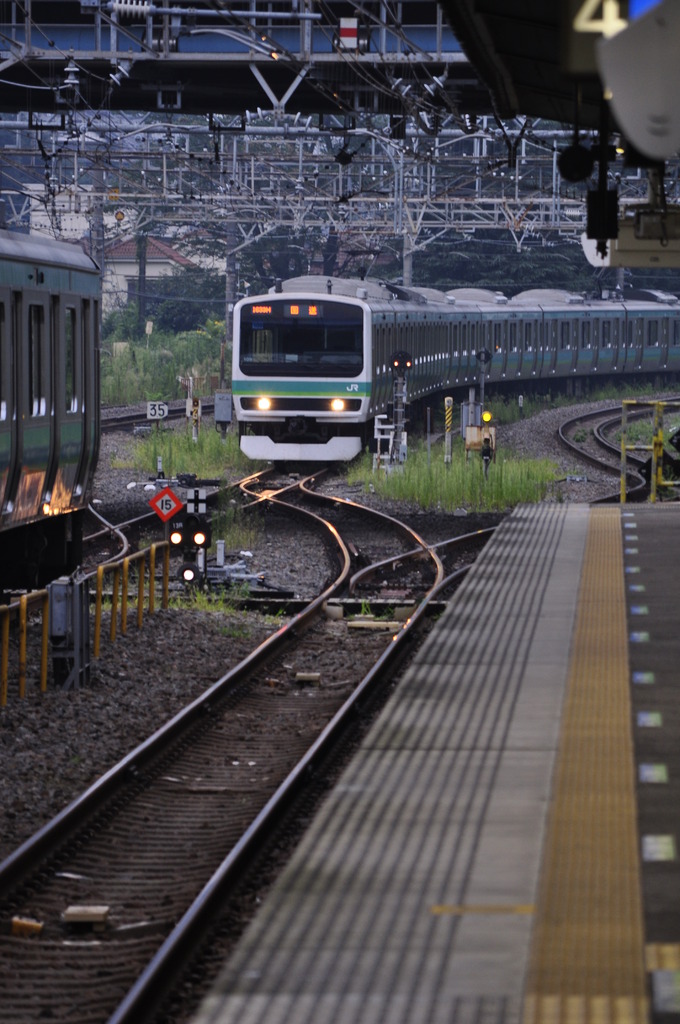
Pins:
<point x="312" y="357"/>
<point x="49" y="404"/>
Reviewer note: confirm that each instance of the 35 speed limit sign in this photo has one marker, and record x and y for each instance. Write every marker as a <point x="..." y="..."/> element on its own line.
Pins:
<point x="156" y="410"/>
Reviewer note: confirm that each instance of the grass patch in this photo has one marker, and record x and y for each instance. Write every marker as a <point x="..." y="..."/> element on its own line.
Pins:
<point x="210" y="456"/>
<point x="461" y="484"/>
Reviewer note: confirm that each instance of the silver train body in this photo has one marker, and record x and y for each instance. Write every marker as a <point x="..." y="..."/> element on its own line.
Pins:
<point x="49" y="404"/>
<point x="312" y="358"/>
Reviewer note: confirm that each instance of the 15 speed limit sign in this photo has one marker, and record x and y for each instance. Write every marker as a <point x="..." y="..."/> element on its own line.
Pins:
<point x="156" y="410"/>
<point x="166" y="504"/>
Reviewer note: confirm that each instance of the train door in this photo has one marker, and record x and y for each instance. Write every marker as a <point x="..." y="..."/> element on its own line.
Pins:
<point x="652" y="344"/>
<point x="499" y="346"/>
<point x="455" y="349"/>
<point x="550" y="345"/>
<point x="584" y="348"/>
<point x="66" y="476"/>
<point x="664" y="330"/>
<point x="529" y="347"/>
<point x="635" y="339"/>
<point x="595" y="331"/>
<point x="514" y="356"/>
<point x="34" y="436"/>
<point x="607" y="342"/>
<point x="82" y="396"/>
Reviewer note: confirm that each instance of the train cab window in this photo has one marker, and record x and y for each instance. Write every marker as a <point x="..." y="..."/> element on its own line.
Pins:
<point x="36" y="345"/>
<point x="301" y="339"/>
<point x="70" y="393"/>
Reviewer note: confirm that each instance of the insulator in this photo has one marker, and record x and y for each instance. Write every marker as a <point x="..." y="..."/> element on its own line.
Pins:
<point x="132" y="8"/>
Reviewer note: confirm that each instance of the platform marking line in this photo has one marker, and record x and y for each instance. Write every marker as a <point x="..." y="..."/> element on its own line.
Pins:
<point x="458" y="909"/>
<point x="587" y="954"/>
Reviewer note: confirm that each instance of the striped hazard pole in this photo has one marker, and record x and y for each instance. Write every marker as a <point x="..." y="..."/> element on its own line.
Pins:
<point x="448" y="422"/>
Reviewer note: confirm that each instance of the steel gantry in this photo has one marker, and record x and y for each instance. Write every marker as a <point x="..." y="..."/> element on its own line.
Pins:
<point x="359" y="118"/>
<point x="302" y="173"/>
<point x="334" y="56"/>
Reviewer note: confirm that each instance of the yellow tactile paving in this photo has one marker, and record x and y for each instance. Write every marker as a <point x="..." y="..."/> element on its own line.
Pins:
<point x="588" y="957"/>
<point x="662" y="956"/>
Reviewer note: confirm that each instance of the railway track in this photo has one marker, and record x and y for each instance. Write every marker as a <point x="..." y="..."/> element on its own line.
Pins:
<point x="105" y="904"/>
<point x="588" y="436"/>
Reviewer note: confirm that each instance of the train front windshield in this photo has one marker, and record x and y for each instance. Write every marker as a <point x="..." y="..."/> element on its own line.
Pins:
<point x="301" y="339"/>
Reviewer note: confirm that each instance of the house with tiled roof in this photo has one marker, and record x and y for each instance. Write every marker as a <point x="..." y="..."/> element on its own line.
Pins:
<point x="121" y="268"/>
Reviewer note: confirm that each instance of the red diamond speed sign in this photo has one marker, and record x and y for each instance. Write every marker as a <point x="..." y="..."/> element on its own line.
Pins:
<point x="165" y="504"/>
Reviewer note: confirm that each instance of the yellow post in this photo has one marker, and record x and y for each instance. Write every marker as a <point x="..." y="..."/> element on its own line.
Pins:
<point x="98" y="612"/>
<point x="124" y="597"/>
<point x="4" y="654"/>
<point x="152" y="577"/>
<point x="166" y="575"/>
<point x="45" y="633"/>
<point x="140" y="589"/>
<point x="23" y="618"/>
<point x="448" y="423"/>
<point x="114" y="601"/>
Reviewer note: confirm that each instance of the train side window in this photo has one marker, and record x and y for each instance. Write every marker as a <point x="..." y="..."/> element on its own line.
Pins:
<point x="3" y="356"/>
<point x="564" y="335"/>
<point x="70" y="391"/>
<point x="676" y="332"/>
<point x="512" y="335"/>
<point x="653" y="334"/>
<point x="606" y="334"/>
<point x="36" y="334"/>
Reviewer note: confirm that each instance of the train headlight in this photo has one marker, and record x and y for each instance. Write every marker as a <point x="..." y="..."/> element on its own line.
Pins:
<point x="264" y="403"/>
<point x="337" y="405"/>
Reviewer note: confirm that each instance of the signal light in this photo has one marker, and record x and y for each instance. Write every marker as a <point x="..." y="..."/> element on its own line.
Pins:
<point x="487" y="416"/>
<point x="197" y="531"/>
<point x="189" y="572"/>
<point x="402" y="361"/>
<point x="194" y="531"/>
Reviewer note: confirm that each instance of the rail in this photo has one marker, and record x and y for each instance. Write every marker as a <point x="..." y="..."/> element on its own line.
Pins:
<point x="120" y="570"/>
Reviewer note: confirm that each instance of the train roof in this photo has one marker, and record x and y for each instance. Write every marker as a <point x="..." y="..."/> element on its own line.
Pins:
<point x="377" y="292"/>
<point x="352" y="287"/>
<point x="42" y="249"/>
<point x="361" y="288"/>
